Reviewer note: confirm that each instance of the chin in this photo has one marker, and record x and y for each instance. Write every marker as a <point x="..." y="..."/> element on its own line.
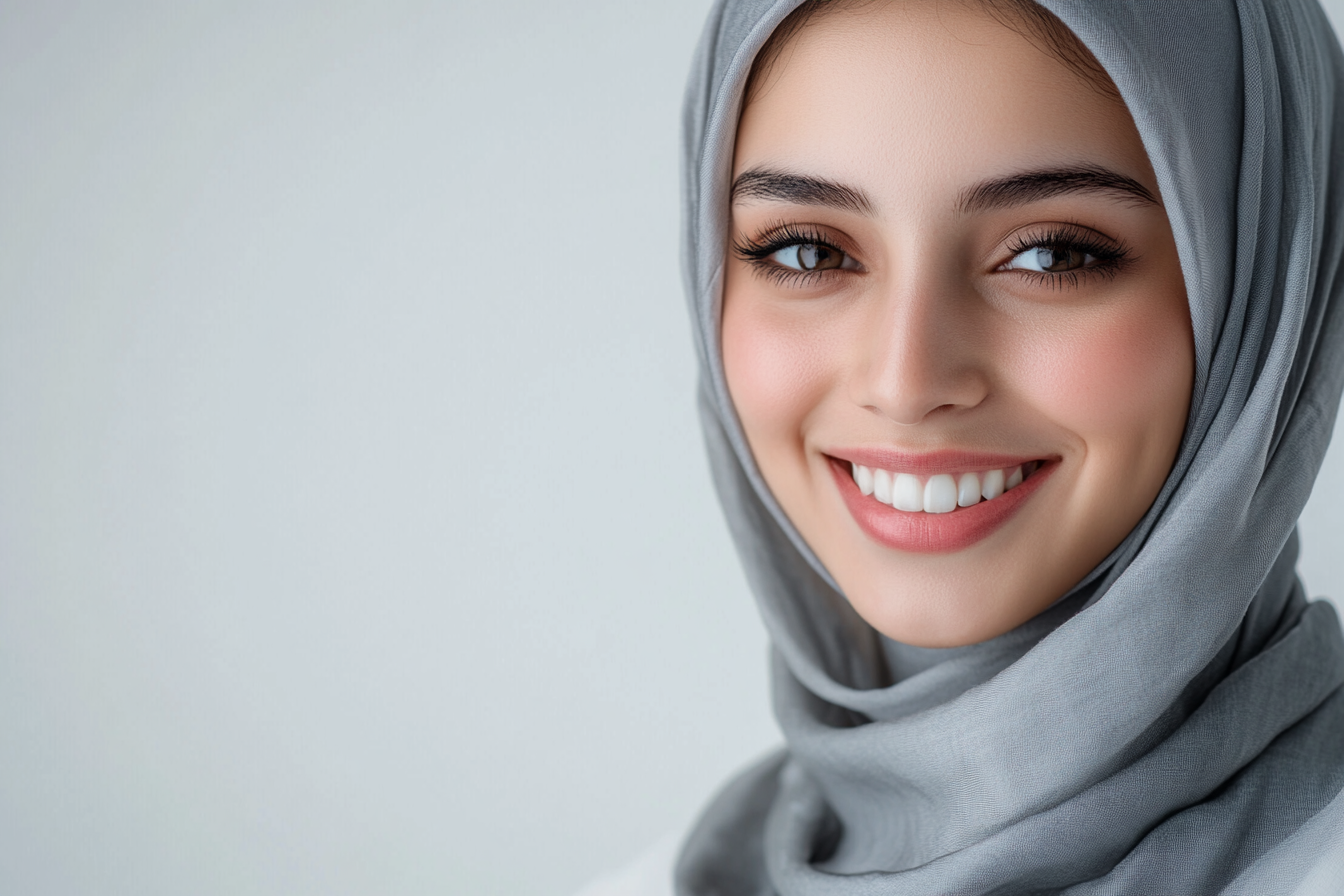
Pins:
<point x="942" y="611"/>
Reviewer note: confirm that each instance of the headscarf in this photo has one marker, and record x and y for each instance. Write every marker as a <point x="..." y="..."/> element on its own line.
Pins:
<point x="1176" y="724"/>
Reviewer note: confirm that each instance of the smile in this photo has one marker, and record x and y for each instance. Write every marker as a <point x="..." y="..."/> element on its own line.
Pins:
<point x="936" y="504"/>
<point x="940" y="493"/>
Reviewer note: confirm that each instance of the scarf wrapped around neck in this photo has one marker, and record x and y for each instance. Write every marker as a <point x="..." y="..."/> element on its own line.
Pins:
<point x="1176" y="724"/>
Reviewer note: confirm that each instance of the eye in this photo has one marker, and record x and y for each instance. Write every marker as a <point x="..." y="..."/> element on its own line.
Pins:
<point x="811" y="257"/>
<point x="1065" y="255"/>
<point x="795" y="255"/>
<point x="1051" y="260"/>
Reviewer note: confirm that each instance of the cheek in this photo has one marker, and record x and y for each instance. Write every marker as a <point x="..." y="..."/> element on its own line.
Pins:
<point x="1120" y="380"/>
<point x="775" y="373"/>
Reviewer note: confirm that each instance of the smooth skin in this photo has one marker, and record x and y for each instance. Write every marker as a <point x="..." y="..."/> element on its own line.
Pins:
<point x="904" y="313"/>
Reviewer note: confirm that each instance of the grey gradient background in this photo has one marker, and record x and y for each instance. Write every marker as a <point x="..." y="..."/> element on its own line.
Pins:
<point x="355" y="535"/>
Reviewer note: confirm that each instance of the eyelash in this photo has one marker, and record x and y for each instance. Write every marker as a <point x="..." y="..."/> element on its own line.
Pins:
<point x="1111" y="256"/>
<point x="757" y="252"/>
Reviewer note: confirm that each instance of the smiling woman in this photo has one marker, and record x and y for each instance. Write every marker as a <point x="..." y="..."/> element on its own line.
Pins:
<point x="936" y="362"/>
<point x="1020" y="343"/>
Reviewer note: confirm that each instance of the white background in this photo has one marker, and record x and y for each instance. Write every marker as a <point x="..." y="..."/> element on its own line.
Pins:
<point x="355" y="535"/>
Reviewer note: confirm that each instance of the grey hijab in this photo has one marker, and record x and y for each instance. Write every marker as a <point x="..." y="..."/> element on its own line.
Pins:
<point x="1175" y="725"/>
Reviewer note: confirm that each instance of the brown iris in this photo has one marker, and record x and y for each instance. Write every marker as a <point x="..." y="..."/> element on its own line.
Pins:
<point x="813" y="257"/>
<point x="1061" y="259"/>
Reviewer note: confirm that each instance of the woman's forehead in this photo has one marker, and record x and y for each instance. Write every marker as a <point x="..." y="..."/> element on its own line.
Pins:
<point x="915" y="102"/>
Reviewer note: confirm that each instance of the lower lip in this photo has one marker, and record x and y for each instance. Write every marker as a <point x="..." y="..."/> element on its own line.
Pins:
<point x="932" y="533"/>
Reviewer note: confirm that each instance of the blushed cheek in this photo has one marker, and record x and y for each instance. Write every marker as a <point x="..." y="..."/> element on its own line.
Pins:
<point x="1122" y="384"/>
<point x="772" y="372"/>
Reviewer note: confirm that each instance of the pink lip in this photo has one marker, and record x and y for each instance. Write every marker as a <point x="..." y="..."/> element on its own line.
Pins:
<point x="933" y="533"/>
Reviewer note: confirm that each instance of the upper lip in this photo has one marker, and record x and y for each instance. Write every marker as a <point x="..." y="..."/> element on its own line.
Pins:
<point x="931" y="463"/>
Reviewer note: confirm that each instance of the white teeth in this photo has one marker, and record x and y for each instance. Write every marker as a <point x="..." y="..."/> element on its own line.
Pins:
<point x="940" y="494"/>
<point x="882" y="486"/>
<point x="968" y="490"/>
<point x="907" y="493"/>
<point x="863" y="478"/>
<point x="993" y="484"/>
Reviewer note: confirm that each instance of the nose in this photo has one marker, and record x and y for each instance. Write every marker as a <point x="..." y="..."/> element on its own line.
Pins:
<point x="921" y="355"/>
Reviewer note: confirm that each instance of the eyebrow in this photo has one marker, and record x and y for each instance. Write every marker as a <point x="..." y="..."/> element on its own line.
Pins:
<point x="1033" y="186"/>
<point x="1000" y="192"/>
<point x="798" y="189"/>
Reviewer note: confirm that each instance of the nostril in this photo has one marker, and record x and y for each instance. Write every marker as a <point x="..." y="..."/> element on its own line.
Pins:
<point x="914" y="416"/>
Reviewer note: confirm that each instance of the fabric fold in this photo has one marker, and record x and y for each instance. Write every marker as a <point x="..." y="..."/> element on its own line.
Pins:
<point x="1176" y="721"/>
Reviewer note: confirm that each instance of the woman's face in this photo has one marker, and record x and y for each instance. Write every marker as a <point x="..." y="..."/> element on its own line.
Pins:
<point x="950" y="270"/>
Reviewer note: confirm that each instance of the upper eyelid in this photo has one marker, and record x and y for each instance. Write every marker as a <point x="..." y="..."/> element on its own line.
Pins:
<point x="790" y="233"/>
<point x="1062" y="231"/>
<point x="824" y="233"/>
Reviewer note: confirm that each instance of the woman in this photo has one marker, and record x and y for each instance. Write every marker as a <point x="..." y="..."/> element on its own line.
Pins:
<point x="1020" y="343"/>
